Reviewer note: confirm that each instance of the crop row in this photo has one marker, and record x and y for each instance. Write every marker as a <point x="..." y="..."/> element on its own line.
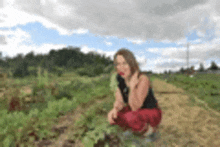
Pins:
<point x="23" y="128"/>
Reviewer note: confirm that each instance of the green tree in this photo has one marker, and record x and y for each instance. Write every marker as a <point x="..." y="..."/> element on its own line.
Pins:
<point x="201" y="67"/>
<point x="30" y="59"/>
<point x="182" y="70"/>
<point x="21" y="70"/>
<point x="213" y="66"/>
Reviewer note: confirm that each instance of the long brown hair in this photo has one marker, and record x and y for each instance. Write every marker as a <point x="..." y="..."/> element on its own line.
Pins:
<point x="129" y="58"/>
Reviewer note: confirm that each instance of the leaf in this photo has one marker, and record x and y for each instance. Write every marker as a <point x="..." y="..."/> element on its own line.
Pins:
<point x="8" y="141"/>
<point x="88" y="142"/>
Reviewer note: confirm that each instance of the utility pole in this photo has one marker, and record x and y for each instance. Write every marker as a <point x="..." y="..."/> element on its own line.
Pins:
<point x="187" y="58"/>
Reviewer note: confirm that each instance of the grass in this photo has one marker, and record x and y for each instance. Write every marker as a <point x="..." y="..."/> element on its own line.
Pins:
<point x="204" y="86"/>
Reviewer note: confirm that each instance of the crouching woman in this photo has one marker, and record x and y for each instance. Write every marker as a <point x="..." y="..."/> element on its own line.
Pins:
<point x="135" y="107"/>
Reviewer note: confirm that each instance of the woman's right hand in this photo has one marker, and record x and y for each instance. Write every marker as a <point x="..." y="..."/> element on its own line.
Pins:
<point x="112" y="115"/>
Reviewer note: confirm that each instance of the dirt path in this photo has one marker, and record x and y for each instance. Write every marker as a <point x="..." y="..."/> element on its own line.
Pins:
<point x="184" y="124"/>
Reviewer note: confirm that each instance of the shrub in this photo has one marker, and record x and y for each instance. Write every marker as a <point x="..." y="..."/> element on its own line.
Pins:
<point x="63" y="93"/>
<point x="108" y="69"/>
<point x="57" y="70"/>
<point x="32" y="70"/>
<point x="21" y="70"/>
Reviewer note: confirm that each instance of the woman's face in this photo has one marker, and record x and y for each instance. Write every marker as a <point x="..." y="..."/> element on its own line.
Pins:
<point x="122" y="67"/>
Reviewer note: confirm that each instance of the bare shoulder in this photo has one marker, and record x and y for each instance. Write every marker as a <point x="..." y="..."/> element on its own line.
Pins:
<point x="143" y="77"/>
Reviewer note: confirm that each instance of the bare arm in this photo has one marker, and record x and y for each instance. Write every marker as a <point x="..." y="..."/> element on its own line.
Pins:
<point x="138" y="94"/>
<point x="119" y="103"/>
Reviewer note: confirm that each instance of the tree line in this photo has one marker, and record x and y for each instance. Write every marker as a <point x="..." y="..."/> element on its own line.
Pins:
<point x="182" y="70"/>
<point x="57" y="61"/>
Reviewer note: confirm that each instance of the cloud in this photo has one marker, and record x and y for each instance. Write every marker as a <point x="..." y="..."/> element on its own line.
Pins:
<point x="176" y="57"/>
<point x="136" y="41"/>
<point x="153" y="50"/>
<point x="160" y="20"/>
<point x="2" y="40"/>
<point x="85" y="49"/>
<point x="22" y="12"/>
<point x="108" y="43"/>
<point x="19" y="41"/>
<point x="141" y="60"/>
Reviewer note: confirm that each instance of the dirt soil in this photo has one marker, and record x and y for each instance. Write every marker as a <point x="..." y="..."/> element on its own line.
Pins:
<point x="184" y="124"/>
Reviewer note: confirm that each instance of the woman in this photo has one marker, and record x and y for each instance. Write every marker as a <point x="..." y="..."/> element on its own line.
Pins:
<point x="135" y="106"/>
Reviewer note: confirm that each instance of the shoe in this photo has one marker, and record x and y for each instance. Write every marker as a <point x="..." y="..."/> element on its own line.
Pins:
<point x="149" y="132"/>
<point x="154" y="136"/>
<point x="127" y="134"/>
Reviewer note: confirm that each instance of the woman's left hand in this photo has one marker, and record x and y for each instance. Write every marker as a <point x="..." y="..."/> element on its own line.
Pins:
<point x="134" y="80"/>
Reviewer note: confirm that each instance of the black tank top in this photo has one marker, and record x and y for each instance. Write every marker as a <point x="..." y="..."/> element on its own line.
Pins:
<point x="150" y="101"/>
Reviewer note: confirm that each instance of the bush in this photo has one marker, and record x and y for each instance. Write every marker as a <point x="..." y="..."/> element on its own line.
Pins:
<point x="21" y="70"/>
<point x="108" y="69"/>
<point x="63" y="92"/>
<point x="73" y="86"/>
<point x="91" y="70"/>
<point x="57" y="70"/>
<point x="32" y="71"/>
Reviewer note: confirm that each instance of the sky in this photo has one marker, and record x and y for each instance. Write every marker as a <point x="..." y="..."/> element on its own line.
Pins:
<point x="155" y="31"/>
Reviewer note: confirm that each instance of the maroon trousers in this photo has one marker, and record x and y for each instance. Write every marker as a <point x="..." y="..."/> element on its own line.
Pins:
<point x="136" y="120"/>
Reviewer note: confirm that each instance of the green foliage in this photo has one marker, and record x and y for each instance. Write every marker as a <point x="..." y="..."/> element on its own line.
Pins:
<point x="109" y="69"/>
<point x="213" y="66"/>
<point x="15" y="127"/>
<point x="57" y="70"/>
<point x="91" y="128"/>
<point x="68" y="90"/>
<point x="36" y="121"/>
<point x="92" y="70"/>
<point x="56" y="61"/>
<point x="21" y="70"/>
<point x="113" y="82"/>
<point x="201" y="67"/>
<point x="32" y="70"/>
<point x="63" y="92"/>
<point x="39" y="87"/>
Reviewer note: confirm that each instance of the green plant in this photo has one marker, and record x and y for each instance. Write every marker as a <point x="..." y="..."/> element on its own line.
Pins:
<point x="92" y="128"/>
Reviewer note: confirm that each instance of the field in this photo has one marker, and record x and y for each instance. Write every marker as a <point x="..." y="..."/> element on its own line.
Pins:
<point x="203" y="88"/>
<point x="71" y="110"/>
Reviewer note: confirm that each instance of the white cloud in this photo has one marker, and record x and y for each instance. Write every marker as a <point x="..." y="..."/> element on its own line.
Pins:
<point x="153" y="50"/>
<point x="182" y="42"/>
<point x="174" y="58"/>
<point x="108" y="43"/>
<point x="85" y="49"/>
<point x="136" y="41"/>
<point x="160" y="20"/>
<point x="19" y="42"/>
<point x="141" y="60"/>
<point x="12" y="15"/>
<point x="2" y="40"/>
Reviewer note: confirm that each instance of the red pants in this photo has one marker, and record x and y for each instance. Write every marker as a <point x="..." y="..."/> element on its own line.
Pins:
<point x="136" y="120"/>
